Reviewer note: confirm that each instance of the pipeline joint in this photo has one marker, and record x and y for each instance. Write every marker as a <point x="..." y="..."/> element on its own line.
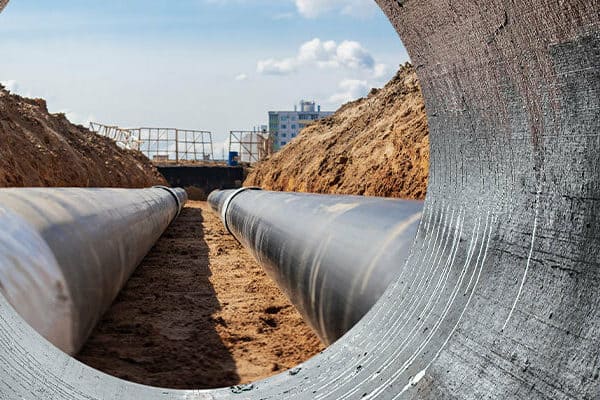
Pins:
<point x="228" y="201"/>
<point x="174" y="194"/>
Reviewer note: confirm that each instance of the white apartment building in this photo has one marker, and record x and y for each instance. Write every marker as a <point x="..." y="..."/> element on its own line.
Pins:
<point x="285" y="125"/>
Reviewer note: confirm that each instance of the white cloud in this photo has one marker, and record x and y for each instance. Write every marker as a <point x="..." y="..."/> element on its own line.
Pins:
<point x="241" y="77"/>
<point x="319" y="52"/>
<point x="353" y="55"/>
<point x="350" y="89"/>
<point x="16" y="88"/>
<point x="380" y="71"/>
<point x="78" y="119"/>
<point x="359" y="8"/>
<point x="11" y="85"/>
<point x="277" y="67"/>
<point x="324" y="54"/>
<point x="314" y="8"/>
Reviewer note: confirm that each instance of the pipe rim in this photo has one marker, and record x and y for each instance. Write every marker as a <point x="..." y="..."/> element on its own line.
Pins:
<point x="533" y="25"/>
<point x="174" y="195"/>
<point x="227" y="203"/>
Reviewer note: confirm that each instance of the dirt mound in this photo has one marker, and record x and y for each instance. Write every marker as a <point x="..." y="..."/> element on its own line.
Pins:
<point x="42" y="149"/>
<point x="375" y="146"/>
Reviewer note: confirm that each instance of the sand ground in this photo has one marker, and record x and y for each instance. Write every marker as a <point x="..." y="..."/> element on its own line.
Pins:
<point x="199" y="312"/>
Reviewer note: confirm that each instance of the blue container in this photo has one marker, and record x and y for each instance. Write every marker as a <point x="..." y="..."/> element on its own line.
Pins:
<point x="234" y="156"/>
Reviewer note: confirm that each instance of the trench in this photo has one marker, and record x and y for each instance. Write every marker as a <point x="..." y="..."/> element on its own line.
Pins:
<point x="199" y="313"/>
<point x="487" y="305"/>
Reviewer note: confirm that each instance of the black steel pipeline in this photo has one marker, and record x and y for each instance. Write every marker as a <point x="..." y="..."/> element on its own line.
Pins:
<point x="66" y="253"/>
<point x="499" y="296"/>
<point x="332" y="255"/>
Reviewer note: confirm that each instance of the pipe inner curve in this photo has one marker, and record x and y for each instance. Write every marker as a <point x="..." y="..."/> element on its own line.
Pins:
<point x="498" y="298"/>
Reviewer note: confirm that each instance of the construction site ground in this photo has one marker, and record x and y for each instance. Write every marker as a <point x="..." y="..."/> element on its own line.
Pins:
<point x="199" y="312"/>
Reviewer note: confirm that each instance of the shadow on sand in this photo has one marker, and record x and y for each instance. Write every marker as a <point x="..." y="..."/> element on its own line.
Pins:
<point x="160" y="330"/>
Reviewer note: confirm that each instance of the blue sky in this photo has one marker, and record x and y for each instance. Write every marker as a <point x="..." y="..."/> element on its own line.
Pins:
<point x="216" y="65"/>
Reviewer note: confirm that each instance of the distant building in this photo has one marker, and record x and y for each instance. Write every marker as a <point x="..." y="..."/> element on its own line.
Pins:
<point x="285" y="125"/>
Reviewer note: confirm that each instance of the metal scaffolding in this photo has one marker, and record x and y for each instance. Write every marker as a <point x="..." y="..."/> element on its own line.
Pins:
<point x="162" y="145"/>
<point x="252" y="146"/>
<point x="179" y="145"/>
<point x="125" y="138"/>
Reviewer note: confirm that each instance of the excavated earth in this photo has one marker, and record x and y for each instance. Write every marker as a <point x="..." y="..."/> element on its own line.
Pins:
<point x="42" y="149"/>
<point x="199" y="312"/>
<point x="375" y="146"/>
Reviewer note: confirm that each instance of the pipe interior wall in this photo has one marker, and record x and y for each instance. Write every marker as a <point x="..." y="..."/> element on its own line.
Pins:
<point x="66" y="253"/>
<point x="498" y="299"/>
<point x="333" y="256"/>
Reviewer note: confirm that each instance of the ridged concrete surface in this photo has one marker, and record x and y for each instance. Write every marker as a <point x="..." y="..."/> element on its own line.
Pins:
<point x="499" y="298"/>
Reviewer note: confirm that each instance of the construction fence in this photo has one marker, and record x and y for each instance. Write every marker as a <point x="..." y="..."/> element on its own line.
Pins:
<point x="251" y="146"/>
<point x="161" y="145"/>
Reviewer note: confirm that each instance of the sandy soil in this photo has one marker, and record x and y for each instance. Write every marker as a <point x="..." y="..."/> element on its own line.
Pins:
<point x="199" y="313"/>
<point x="376" y="146"/>
<point x="42" y="149"/>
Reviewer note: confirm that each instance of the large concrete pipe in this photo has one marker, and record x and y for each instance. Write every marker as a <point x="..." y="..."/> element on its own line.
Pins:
<point x="333" y="256"/>
<point x="66" y="253"/>
<point x="499" y="296"/>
